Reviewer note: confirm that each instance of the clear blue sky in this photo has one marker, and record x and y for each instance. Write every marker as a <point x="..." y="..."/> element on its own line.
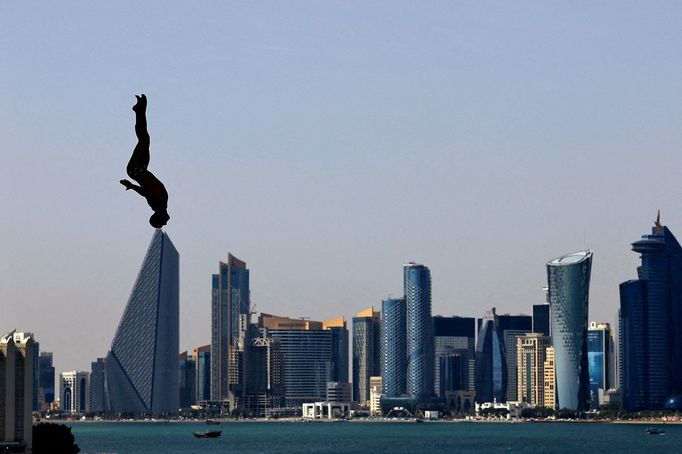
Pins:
<point x="326" y="143"/>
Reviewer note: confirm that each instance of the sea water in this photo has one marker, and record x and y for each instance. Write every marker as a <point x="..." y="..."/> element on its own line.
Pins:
<point x="376" y="437"/>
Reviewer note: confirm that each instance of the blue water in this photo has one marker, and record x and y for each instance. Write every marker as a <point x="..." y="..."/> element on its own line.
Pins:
<point x="357" y="437"/>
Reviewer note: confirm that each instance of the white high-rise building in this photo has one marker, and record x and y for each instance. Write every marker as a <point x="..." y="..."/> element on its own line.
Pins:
<point x="16" y="390"/>
<point x="74" y="391"/>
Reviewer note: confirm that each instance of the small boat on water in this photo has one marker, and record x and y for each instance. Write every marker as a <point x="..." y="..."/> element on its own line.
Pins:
<point x="212" y="421"/>
<point x="208" y="434"/>
<point x="655" y="431"/>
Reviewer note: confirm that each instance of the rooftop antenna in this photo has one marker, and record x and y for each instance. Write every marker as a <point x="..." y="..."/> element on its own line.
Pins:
<point x="658" y="225"/>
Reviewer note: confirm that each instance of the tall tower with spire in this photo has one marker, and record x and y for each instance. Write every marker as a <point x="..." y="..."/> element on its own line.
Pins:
<point x="651" y="323"/>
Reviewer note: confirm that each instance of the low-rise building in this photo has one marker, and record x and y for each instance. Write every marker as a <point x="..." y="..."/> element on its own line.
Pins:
<point x="326" y="410"/>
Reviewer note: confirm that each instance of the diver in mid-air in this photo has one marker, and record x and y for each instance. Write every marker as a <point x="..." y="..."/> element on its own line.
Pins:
<point x="149" y="186"/>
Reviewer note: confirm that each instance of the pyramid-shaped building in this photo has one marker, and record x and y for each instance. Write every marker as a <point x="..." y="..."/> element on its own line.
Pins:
<point x="142" y="365"/>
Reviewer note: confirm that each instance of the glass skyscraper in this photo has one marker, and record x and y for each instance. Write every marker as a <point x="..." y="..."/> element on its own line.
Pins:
<point x="541" y="319"/>
<point x="186" y="378"/>
<point x="307" y="357"/>
<point x="511" y="328"/>
<point x="142" y="366"/>
<point x="46" y="377"/>
<point x="97" y="388"/>
<point x="202" y="365"/>
<point x="633" y="373"/>
<point x="393" y="347"/>
<point x="229" y="302"/>
<point x="454" y="339"/>
<point x="651" y="323"/>
<point x="419" y="345"/>
<point x="339" y="332"/>
<point x="366" y="352"/>
<point x="568" y="280"/>
<point x="491" y="366"/>
<point x="600" y="360"/>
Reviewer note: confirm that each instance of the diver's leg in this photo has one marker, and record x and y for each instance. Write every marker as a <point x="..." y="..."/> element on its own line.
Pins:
<point x="140" y="158"/>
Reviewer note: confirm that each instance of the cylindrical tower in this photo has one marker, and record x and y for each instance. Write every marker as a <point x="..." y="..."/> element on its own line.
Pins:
<point x="569" y="285"/>
<point x="393" y="344"/>
<point x="420" y="348"/>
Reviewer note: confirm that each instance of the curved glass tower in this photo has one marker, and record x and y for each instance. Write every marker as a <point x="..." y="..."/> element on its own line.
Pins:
<point x="420" y="348"/>
<point x="393" y="344"/>
<point x="568" y="279"/>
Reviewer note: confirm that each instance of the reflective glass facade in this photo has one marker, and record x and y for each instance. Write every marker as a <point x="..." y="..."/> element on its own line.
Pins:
<point x="142" y="365"/>
<point x="569" y="285"/>
<point x="46" y="376"/>
<point x="651" y="318"/>
<point x="419" y="345"/>
<point x="491" y="367"/>
<point x="393" y="347"/>
<point x="454" y="336"/>
<point x="339" y="354"/>
<point x="202" y="364"/>
<point x="366" y="354"/>
<point x="541" y="319"/>
<point x="186" y="377"/>
<point x="230" y="299"/>
<point x="633" y="345"/>
<point x="307" y="356"/>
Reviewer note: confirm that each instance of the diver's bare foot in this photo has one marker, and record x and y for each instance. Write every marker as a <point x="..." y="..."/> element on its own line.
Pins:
<point x="141" y="104"/>
<point x="127" y="184"/>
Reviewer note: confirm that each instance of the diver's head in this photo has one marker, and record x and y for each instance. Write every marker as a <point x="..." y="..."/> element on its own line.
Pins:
<point x="159" y="219"/>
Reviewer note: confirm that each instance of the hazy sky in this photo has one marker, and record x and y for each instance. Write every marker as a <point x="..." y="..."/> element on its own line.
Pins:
<point x="327" y="143"/>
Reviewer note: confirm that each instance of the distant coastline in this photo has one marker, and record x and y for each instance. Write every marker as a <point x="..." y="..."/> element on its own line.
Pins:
<point x="371" y="421"/>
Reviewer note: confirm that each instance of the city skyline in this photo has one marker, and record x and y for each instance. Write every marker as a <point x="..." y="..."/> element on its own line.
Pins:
<point x="521" y="127"/>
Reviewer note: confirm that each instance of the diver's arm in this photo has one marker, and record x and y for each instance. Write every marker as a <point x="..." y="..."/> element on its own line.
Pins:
<point x="129" y="185"/>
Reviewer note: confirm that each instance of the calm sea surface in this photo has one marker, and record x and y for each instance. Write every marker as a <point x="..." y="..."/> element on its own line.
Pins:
<point x="357" y="437"/>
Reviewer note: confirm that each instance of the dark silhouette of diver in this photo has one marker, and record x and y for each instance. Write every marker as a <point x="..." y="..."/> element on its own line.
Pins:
<point x="149" y="186"/>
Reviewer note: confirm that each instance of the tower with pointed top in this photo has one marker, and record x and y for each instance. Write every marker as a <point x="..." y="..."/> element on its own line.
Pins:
<point x="142" y="366"/>
<point x="651" y="323"/>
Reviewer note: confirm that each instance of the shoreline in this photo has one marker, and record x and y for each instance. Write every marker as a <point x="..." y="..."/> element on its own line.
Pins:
<point x="360" y="421"/>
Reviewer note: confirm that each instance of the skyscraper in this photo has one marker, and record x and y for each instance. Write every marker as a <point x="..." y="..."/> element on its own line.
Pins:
<point x="568" y="279"/>
<point x="46" y="378"/>
<point x="393" y="347"/>
<point x="307" y="355"/>
<point x="491" y="367"/>
<point x="454" y="337"/>
<point x="74" y="391"/>
<point x="600" y="360"/>
<point x="366" y="352"/>
<point x="511" y="328"/>
<point x="16" y="388"/>
<point x="541" y="319"/>
<point x="97" y="388"/>
<point x="265" y="369"/>
<point x="229" y="302"/>
<point x="186" y="377"/>
<point x="142" y="365"/>
<point x="651" y="323"/>
<point x="531" y="358"/>
<point x="420" y="354"/>
<point x="550" y="378"/>
<point x="202" y="361"/>
<point x="339" y="331"/>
